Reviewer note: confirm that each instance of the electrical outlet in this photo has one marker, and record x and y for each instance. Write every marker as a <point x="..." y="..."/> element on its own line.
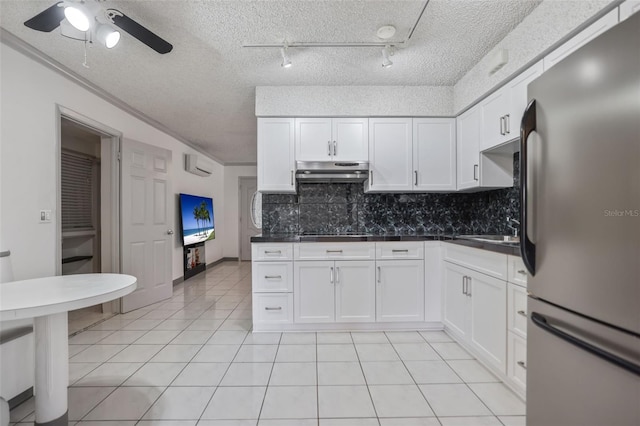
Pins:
<point x="45" y="216"/>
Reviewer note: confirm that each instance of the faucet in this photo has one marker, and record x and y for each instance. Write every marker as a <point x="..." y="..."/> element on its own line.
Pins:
<point x="514" y="228"/>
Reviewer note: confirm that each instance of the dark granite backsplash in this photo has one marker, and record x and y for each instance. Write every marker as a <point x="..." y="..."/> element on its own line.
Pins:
<point x="340" y="208"/>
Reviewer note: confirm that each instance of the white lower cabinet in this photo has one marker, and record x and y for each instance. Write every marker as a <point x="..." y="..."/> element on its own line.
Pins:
<point x="517" y="369"/>
<point x="400" y="290"/>
<point x="272" y="283"/>
<point x="475" y="310"/>
<point x="273" y="308"/>
<point x="334" y="291"/>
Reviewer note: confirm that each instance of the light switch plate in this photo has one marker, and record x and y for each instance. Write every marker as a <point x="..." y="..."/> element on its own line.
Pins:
<point x="45" y="216"/>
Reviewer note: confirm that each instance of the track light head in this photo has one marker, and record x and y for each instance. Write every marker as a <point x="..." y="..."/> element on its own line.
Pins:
<point x="386" y="53"/>
<point x="286" y="62"/>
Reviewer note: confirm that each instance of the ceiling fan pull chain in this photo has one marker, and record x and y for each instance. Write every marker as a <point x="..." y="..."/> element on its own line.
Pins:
<point x="85" y="64"/>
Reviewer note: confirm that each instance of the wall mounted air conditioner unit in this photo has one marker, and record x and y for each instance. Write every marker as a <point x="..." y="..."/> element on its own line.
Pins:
<point x="197" y="165"/>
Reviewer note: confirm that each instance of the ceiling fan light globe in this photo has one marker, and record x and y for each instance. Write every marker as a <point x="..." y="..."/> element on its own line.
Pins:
<point x="77" y="17"/>
<point x="108" y="36"/>
<point x="112" y="39"/>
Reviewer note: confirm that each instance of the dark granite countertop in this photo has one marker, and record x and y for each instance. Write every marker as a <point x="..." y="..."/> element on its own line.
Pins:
<point x="290" y="238"/>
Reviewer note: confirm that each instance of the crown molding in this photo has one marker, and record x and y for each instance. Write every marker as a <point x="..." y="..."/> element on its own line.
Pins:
<point x="40" y="57"/>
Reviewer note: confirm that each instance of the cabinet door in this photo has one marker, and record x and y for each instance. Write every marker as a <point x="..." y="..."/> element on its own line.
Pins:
<point x="493" y="111"/>
<point x="455" y="300"/>
<point x="518" y="98"/>
<point x="582" y="38"/>
<point x="355" y="291"/>
<point x="434" y="154"/>
<point x="468" y="158"/>
<point x="400" y="290"/>
<point x="313" y="139"/>
<point x="350" y="139"/>
<point x="313" y="289"/>
<point x="488" y="334"/>
<point x="276" y="166"/>
<point x="390" y="151"/>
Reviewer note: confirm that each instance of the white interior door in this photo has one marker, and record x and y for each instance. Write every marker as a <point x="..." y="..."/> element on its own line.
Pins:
<point x="147" y="222"/>
<point x="248" y="186"/>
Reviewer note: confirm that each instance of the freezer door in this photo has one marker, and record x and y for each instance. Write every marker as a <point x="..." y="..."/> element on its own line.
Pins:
<point x="567" y="385"/>
<point x="584" y="180"/>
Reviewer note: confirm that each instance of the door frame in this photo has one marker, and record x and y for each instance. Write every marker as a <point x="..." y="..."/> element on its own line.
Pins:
<point x="242" y="179"/>
<point x="110" y="142"/>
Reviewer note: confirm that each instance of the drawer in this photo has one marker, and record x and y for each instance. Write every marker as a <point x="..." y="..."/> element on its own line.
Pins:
<point x="517" y="271"/>
<point x="517" y="366"/>
<point x="267" y="252"/>
<point x="400" y="250"/>
<point x="517" y="309"/>
<point x="486" y="262"/>
<point x="273" y="308"/>
<point x="334" y="251"/>
<point x="272" y="277"/>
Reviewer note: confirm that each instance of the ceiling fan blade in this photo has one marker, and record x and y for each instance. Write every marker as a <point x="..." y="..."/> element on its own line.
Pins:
<point x="141" y="33"/>
<point x="47" y="20"/>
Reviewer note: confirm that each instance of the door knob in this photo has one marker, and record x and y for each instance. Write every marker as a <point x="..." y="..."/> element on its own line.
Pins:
<point x="170" y="232"/>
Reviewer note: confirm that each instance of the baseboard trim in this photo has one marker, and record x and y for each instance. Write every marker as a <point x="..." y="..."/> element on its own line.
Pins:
<point x="20" y="398"/>
<point x="222" y="259"/>
<point x="178" y="280"/>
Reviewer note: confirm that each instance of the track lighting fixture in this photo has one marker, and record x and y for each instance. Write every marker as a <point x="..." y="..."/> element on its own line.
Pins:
<point x="386" y="62"/>
<point x="286" y="62"/>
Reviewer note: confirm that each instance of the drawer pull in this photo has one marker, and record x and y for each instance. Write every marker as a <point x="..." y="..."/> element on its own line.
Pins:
<point x="334" y="251"/>
<point x="279" y="308"/>
<point x="522" y="272"/>
<point x="522" y="364"/>
<point x="273" y="252"/>
<point x="523" y="313"/>
<point x="400" y="251"/>
<point x="273" y="277"/>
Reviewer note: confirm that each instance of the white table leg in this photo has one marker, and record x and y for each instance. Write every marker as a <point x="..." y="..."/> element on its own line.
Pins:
<point x="52" y="369"/>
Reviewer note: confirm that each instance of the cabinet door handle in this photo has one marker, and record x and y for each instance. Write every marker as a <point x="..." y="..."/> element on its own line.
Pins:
<point x="334" y="251"/>
<point x="273" y="277"/>
<point x="464" y="284"/>
<point x="523" y="313"/>
<point x="415" y="174"/>
<point x="337" y="274"/>
<point x="522" y="272"/>
<point x="469" y="286"/>
<point x="507" y="120"/>
<point x="335" y="148"/>
<point x="279" y="308"/>
<point x="502" y="125"/>
<point x="331" y="275"/>
<point x="329" y="148"/>
<point x="370" y="177"/>
<point x="522" y="364"/>
<point x="400" y="251"/>
<point x="291" y="177"/>
<point x="379" y="274"/>
<point x="273" y="252"/>
<point x="475" y="172"/>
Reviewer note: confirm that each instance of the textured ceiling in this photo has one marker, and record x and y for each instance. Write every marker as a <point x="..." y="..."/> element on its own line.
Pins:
<point x="204" y="89"/>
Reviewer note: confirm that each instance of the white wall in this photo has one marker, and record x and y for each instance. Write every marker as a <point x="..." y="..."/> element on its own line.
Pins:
<point x="28" y="137"/>
<point x="551" y="21"/>
<point x="231" y="207"/>
<point x="354" y="101"/>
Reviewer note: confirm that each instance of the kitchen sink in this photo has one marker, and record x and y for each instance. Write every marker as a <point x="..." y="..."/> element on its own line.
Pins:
<point x="494" y="239"/>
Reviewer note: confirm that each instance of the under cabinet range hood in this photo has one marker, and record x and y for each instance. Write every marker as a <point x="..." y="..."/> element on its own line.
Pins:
<point x="332" y="171"/>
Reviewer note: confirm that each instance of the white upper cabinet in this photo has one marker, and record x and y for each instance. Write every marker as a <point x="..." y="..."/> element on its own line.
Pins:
<point x="390" y="155"/>
<point x="434" y="154"/>
<point x="469" y="149"/>
<point x="628" y="8"/>
<point x="276" y="164"/>
<point x="326" y="139"/>
<point x="586" y="35"/>
<point x="350" y="139"/>
<point x="502" y="111"/>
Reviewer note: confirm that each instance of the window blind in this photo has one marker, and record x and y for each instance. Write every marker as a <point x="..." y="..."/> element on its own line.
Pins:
<point x="77" y="188"/>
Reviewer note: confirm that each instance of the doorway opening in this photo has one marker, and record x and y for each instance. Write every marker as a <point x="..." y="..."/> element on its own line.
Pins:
<point x="247" y="187"/>
<point x="88" y="205"/>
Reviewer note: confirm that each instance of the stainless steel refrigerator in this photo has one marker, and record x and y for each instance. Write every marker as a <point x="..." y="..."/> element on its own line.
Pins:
<point x="580" y="184"/>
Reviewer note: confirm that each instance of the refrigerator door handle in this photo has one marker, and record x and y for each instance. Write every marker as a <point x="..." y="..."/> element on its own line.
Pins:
<point x="542" y="322"/>
<point x="527" y="247"/>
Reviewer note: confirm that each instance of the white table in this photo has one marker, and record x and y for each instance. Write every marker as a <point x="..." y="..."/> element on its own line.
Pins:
<point x="48" y="301"/>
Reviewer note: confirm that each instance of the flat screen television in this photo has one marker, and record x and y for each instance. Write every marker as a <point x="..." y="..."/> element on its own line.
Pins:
<point x="197" y="222"/>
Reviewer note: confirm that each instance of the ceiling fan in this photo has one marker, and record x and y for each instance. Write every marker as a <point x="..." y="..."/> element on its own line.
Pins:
<point x="90" y="17"/>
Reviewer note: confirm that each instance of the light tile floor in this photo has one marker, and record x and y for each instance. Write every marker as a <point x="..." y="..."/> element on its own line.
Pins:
<point x="192" y="360"/>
